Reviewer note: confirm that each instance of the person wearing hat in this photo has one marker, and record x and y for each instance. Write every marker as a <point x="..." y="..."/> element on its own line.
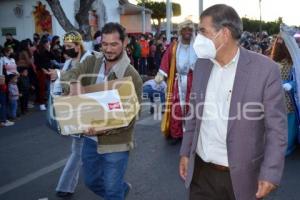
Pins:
<point x="282" y="56"/>
<point x="13" y="95"/>
<point x="76" y="53"/>
<point x="177" y="66"/>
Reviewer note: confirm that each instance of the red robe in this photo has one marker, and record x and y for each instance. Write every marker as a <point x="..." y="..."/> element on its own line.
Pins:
<point x="176" y="125"/>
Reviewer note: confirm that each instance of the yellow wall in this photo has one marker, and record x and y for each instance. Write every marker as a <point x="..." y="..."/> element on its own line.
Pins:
<point x="133" y="23"/>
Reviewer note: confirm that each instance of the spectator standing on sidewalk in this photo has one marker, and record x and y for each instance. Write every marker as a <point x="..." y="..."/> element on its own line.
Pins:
<point x="24" y="89"/>
<point x="13" y="95"/>
<point x="42" y="61"/>
<point x="136" y="52"/>
<point x="3" y="97"/>
<point x="143" y="67"/>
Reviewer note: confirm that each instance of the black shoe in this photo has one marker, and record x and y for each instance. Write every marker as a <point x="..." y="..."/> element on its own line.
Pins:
<point x="151" y="110"/>
<point x="174" y="141"/>
<point x="63" y="194"/>
<point x="163" y="109"/>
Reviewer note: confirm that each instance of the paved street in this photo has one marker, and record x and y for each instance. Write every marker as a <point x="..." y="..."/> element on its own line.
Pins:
<point x="32" y="158"/>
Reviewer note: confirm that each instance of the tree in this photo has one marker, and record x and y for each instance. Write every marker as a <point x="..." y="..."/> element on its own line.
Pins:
<point x="82" y="17"/>
<point x="253" y="25"/>
<point x="159" y="10"/>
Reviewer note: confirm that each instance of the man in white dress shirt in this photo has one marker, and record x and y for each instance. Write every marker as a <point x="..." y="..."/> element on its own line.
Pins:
<point x="236" y="133"/>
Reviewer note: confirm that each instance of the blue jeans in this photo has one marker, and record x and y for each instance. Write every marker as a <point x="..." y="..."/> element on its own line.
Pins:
<point x="292" y="132"/>
<point x="147" y="89"/>
<point x="47" y="84"/>
<point x="3" y="111"/>
<point x="69" y="178"/>
<point x="104" y="173"/>
<point x="13" y="106"/>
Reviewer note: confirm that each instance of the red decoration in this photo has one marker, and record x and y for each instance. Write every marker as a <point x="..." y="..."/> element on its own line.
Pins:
<point x="42" y="19"/>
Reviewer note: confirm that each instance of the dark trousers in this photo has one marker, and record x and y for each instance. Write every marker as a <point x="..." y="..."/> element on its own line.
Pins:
<point x="209" y="183"/>
<point x="143" y="67"/>
<point x="43" y="80"/>
<point x="152" y="69"/>
<point x="3" y="106"/>
<point x="136" y="62"/>
<point x="24" y="102"/>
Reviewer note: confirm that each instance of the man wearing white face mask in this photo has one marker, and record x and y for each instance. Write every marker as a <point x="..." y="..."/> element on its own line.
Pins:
<point x="236" y="135"/>
<point x="177" y="66"/>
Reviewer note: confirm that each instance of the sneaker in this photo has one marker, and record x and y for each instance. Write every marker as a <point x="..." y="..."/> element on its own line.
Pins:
<point x="30" y="105"/>
<point x="129" y="187"/>
<point x="43" y="107"/>
<point x="63" y="194"/>
<point x="151" y="110"/>
<point x="174" y="141"/>
<point x="7" y="123"/>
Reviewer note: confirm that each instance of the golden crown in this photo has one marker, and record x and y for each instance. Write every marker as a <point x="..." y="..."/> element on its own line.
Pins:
<point x="72" y="37"/>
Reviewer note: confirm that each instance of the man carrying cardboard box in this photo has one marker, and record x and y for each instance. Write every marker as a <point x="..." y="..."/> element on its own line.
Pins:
<point x="105" y="153"/>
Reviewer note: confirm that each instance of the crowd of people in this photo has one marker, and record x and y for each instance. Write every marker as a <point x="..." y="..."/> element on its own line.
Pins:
<point x="23" y="68"/>
<point x="25" y="64"/>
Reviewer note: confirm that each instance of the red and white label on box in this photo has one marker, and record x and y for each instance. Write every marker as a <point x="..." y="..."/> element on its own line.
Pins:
<point x="114" y="106"/>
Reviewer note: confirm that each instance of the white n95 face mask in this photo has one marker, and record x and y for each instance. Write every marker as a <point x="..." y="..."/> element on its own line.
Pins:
<point x="204" y="47"/>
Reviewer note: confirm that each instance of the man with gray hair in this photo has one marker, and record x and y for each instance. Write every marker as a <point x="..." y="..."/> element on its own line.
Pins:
<point x="236" y="135"/>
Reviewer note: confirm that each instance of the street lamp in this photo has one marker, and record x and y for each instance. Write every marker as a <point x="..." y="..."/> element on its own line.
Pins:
<point x="143" y="17"/>
<point x="200" y="7"/>
<point x="260" y="22"/>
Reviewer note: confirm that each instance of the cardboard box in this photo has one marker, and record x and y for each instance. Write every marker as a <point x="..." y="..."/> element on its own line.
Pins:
<point x="110" y="105"/>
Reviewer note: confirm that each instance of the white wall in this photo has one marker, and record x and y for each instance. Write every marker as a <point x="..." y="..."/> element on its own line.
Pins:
<point x="8" y="19"/>
<point x="69" y="8"/>
<point x="25" y="25"/>
<point x="111" y="8"/>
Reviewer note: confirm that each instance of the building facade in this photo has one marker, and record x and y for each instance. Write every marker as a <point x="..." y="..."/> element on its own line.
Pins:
<point x="23" y="18"/>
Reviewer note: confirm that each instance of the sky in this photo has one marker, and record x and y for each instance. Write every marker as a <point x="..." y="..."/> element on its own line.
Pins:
<point x="270" y="9"/>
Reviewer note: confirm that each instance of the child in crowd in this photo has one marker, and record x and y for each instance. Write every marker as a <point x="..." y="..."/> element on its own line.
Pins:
<point x="13" y="95"/>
